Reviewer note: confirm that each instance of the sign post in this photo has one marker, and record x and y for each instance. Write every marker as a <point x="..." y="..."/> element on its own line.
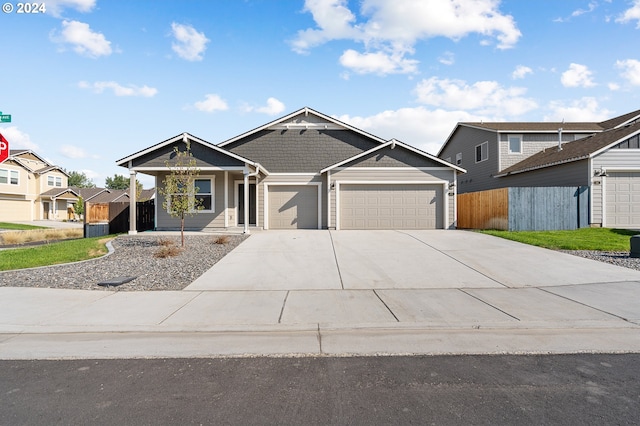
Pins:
<point x="4" y="148"/>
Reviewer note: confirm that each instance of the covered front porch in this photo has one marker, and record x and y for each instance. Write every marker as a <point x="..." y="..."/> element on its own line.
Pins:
<point x="226" y="183"/>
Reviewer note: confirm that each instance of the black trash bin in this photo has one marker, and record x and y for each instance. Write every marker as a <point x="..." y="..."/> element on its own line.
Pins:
<point x="635" y="246"/>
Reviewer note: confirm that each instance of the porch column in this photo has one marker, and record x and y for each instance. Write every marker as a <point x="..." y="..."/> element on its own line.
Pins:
<point x="246" y="203"/>
<point x="133" y="228"/>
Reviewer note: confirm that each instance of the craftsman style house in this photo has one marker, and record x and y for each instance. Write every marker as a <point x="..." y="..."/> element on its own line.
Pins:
<point x="31" y="188"/>
<point x="308" y="170"/>
<point x="604" y="156"/>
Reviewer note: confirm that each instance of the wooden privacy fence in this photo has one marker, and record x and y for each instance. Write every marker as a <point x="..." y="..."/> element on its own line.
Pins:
<point x="525" y="208"/>
<point x="113" y="218"/>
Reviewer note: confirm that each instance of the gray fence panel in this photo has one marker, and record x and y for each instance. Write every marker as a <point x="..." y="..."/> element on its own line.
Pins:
<point x="96" y="230"/>
<point x="547" y="208"/>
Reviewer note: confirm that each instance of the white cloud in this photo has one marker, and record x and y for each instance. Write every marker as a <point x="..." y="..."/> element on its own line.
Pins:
<point x="55" y="7"/>
<point x="592" y="6"/>
<point x="521" y="72"/>
<point x="85" y="42"/>
<point x="390" y="30"/>
<point x="447" y="58"/>
<point x="420" y="127"/>
<point x="18" y="139"/>
<point x="577" y="76"/>
<point x="75" y="152"/>
<point x="630" y="70"/>
<point x="631" y="14"/>
<point x="273" y="107"/>
<point x="613" y="86"/>
<point x="118" y="90"/>
<point x="584" y="109"/>
<point x="211" y="103"/>
<point x="190" y="44"/>
<point x="377" y="63"/>
<point x="483" y="97"/>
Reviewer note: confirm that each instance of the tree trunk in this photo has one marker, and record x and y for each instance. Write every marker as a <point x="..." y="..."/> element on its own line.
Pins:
<point x="182" y="229"/>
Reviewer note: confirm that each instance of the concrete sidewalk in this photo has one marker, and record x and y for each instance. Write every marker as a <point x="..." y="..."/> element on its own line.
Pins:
<point x="361" y="293"/>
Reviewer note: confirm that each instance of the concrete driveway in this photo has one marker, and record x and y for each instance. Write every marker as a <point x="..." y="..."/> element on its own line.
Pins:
<point x="352" y="260"/>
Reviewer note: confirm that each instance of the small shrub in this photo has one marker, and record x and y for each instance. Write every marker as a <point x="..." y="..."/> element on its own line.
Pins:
<point x="167" y="251"/>
<point x="165" y="242"/>
<point x="21" y="237"/>
<point x="12" y="238"/>
<point x="222" y="239"/>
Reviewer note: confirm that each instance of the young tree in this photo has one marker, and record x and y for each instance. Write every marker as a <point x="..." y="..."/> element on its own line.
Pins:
<point x="179" y="188"/>
<point x="80" y="180"/>
<point x="79" y="206"/>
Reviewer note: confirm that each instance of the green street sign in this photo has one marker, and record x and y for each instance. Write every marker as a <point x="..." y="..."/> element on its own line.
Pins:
<point x="5" y="118"/>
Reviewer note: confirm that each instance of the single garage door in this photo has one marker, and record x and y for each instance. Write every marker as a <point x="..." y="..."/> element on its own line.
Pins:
<point x="293" y="206"/>
<point x="391" y="206"/>
<point x="15" y="210"/>
<point x="622" y="201"/>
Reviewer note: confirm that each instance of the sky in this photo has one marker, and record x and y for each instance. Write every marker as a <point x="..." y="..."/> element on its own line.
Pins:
<point x="88" y="82"/>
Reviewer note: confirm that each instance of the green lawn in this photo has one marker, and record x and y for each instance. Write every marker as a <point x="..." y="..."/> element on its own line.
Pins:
<point x="600" y="239"/>
<point x="54" y="253"/>
<point x="18" y="226"/>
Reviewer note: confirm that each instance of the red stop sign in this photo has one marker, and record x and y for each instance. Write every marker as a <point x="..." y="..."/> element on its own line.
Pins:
<point x="4" y="148"/>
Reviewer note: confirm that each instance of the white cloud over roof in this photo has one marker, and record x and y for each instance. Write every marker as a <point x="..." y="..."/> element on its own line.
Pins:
<point x="118" y="89"/>
<point x="211" y="103"/>
<point x="577" y="75"/>
<point x="83" y="39"/>
<point x="630" y="70"/>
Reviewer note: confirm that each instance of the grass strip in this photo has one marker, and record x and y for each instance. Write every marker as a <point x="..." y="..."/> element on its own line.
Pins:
<point x="53" y="253"/>
<point x="597" y="239"/>
<point x="18" y="226"/>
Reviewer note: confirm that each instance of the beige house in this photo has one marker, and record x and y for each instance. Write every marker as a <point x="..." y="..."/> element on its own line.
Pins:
<point x="31" y="188"/>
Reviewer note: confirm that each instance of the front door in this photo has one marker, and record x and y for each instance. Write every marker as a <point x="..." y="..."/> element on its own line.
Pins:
<point x="252" y="204"/>
<point x="45" y="210"/>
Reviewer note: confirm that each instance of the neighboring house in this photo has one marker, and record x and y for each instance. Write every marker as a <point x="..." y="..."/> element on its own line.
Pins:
<point x="308" y="170"/>
<point x="603" y="156"/>
<point x="31" y="188"/>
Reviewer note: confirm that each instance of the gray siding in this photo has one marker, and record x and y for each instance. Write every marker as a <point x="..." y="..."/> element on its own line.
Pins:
<point x="200" y="220"/>
<point x="479" y="176"/>
<point x="301" y="150"/>
<point x="570" y="174"/>
<point x="532" y="143"/>
<point x="396" y="157"/>
<point x="204" y="156"/>
<point x="355" y="174"/>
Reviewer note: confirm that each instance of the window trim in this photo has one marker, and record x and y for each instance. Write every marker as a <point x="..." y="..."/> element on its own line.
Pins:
<point x="57" y="181"/>
<point x="486" y="151"/>
<point x="10" y="176"/>
<point x="509" y="143"/>
<point x="212" y="180"/>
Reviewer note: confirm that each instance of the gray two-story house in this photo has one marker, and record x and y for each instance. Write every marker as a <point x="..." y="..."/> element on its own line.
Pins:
<point x="603" y="156"/>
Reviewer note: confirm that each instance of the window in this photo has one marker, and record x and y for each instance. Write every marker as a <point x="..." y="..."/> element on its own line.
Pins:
<point x="54" y="181"/>
<point x="458" y="158"/>
<point x="482" y="152"/>
<point x="205" y="194"/>
<point x="9" y="176"/>
<point x="515" y="144"/>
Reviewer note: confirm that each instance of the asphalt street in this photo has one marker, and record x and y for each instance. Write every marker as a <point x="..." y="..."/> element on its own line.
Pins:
<point x="444" y="390"/>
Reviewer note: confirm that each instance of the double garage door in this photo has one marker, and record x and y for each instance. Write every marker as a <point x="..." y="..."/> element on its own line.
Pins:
<point x="391" y="206"/>
<point x="622" y="199"/>
<point x="361" y="206"/>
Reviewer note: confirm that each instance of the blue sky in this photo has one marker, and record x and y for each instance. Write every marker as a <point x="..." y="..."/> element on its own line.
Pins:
<point x="92" y="81"/>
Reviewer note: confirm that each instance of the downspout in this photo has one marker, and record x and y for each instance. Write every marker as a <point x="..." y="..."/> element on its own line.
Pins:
<point x="560" y="139"/>
<point x="246" y="196"/>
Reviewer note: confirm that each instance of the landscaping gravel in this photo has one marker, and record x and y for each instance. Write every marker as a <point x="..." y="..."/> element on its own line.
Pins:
<point x="133" y="256"/>
<point x="619" y="258"/>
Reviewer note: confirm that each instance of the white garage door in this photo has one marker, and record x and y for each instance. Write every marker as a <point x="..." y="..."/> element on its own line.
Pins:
<point x="622" y="201"/>
<point x="391" y="206"/>
<point x="293" y="206"/>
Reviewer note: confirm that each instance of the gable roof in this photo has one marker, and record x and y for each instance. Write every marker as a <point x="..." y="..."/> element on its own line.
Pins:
<point x="621" y="120"/>
<point x="537" y="127"/>
<point x="57" y="192"/>
<point x="573" y="151"/>
<point x="184" y="136"/>
<point x="393" y="143"/>
<point x="20" y="152"/>
<point x="282" y="121"/>
<point x="88" y="193"/>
